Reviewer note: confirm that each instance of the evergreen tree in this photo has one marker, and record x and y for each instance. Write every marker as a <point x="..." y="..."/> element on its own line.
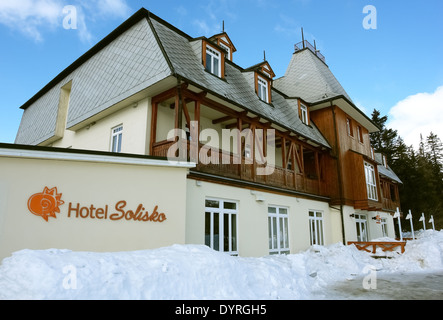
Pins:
<point x="384" y="141"/>
<point x="421" y="171"/>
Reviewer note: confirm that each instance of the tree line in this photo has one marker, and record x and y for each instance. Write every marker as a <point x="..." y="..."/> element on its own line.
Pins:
<point x="420" y="170"/>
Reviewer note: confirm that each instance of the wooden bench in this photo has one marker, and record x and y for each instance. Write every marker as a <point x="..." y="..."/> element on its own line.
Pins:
<point x="385" y="246"/>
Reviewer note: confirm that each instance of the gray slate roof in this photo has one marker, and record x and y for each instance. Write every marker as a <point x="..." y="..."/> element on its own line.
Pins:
<point x="387" y="172"/>
<point x="237" y="87"/>
<point x="139" y="53"/>
<point x="128" y="64"/>
<point x="309" y="78"/>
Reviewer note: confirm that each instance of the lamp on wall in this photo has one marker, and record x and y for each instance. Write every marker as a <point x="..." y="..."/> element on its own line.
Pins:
<point x="352" y="215"/>
<point x="258" y="196"/>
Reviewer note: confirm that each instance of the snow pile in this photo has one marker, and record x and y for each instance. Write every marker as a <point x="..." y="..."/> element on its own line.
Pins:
<point x="197" y="272"/>
<point x="424" y="253"/>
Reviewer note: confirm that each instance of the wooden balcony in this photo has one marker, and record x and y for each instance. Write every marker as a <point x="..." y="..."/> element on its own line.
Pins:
<point x="390" y="205"/>
<point x="225" y="164"/>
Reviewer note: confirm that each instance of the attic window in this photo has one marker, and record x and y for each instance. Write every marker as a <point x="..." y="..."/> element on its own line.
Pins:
<point x="304" y="114"/>
<point x="213" y="61"/>
<point x="263" y="89"/>
<point x="385" y="161"/>
<point x="228" y="50"/>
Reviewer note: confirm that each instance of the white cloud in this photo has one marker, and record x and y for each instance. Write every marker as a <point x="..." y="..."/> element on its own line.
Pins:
<point x="206" y="29"/>
<point x="112" y="8"/>
<point x="421" y="113"/>
<point x="29" y="16"/>
<point x="35" y="17"/>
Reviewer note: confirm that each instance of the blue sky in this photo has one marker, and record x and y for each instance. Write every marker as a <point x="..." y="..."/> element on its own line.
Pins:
<point x="396" y="68"/>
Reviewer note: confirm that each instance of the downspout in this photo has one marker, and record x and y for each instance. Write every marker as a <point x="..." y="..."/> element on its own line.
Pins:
<point x="182" y="144"/>
<point x="340" y="182"/>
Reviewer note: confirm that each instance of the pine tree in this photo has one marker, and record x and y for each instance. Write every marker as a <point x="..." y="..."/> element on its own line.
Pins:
<point x="384" y="141"/>
<point x="421" y="171"/>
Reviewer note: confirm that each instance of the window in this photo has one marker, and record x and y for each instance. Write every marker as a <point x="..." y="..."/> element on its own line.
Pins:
<point x="116" y="139"/>
<point x="349" y="127"/>
<point x="359" y="134"/>
<point x="316" y="227"/>
<point x="262" y="89"/>
<point x="278" y="230"/>
<point x="221" y="225"/>
<point x="371" y="184"/>
<point x="213" y="61"/>
<point x="384" y="227"/>
<point x="362" y="227"/>
<point x="304" y="113"/>
<point x="385" y="161"/>
<point x="228" y="50"/>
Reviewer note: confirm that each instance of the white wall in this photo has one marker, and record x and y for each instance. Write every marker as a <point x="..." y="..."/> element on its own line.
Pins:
<point x="253" y="217"/>
<point x="101" y="181"/>
<point x="135" y="119"/>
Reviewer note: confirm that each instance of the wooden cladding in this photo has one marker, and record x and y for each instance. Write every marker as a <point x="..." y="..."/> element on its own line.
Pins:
<point x="300" y="166"/>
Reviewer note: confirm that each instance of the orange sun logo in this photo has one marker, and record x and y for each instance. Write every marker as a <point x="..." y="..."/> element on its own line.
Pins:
<point x="45" y="204"/>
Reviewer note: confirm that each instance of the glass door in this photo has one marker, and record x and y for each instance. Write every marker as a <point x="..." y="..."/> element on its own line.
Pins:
<point x="362" y="227"/>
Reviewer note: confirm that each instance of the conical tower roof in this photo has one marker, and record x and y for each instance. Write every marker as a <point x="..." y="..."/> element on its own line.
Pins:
<point x="309" y="78"/>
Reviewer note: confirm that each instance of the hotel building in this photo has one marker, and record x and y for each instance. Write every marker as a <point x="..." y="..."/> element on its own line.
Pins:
<point x="123" y="97"/>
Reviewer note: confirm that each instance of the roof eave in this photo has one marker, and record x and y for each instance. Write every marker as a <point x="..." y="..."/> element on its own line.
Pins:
<point x="364" y="119"/>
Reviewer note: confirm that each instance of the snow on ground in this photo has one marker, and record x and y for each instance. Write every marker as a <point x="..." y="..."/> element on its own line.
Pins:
<point x="197" y="272"/>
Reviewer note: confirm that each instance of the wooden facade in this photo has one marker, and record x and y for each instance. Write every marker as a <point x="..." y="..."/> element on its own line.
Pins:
<point x="337" y="174"/>
<point x="300" y="166"/>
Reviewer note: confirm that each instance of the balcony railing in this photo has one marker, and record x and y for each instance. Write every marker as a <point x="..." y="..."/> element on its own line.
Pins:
<point x="229" y="165"/>
<point x="306" y="44"/>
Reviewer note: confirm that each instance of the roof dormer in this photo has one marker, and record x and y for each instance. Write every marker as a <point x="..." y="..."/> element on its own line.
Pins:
<point x="263" y="75"/>
<point x="213" y="58"/>
<point x="223" y="40"/>
<point x="266" y="69"/>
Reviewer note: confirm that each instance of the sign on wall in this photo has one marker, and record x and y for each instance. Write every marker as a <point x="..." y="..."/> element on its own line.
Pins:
<point x="47" y="203"/>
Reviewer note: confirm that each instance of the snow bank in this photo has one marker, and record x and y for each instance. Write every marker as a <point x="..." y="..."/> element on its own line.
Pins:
<point x="197" y="272"/>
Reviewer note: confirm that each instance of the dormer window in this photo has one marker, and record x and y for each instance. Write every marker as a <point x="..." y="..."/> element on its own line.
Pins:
<point x="223" y="40"/>
<point x="227" y="49"/>
<point x="213" y="61"/>
<point x="262" y="89"/>
<point x="304" y="114"/>
<point x="385" y="161"/>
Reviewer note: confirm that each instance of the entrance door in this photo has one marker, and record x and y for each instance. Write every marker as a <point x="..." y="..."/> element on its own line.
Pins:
<point x="362" y="227"/>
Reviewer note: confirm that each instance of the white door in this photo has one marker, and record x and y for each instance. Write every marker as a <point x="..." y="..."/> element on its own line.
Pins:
<point x="362" y="227"/>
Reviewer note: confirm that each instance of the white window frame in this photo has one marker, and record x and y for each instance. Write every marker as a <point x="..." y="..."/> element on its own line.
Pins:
<point x="384" y="227"/>
<point x="360" y="134"/>
<point x="262" y="89"/>
<point x="278" y="230"/>
<point x="213" y="55"/>
<point x="228" y="50"/>
<point x="361" y="223"/>
<point x="349" y="127"/>
<point x="214" y="240"/>
<point x="316" y="229"/>
<point x="304" y="113"/>
<point x="116" y="139"/>
<point x="371" y="182"/>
